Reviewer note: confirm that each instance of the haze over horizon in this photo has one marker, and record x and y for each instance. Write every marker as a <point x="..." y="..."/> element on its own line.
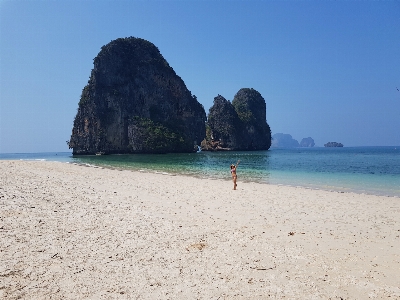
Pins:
<point x="329" y="70"/>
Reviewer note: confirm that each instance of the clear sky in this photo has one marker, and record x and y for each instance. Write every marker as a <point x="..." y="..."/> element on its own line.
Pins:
<point x="326" y="69"/>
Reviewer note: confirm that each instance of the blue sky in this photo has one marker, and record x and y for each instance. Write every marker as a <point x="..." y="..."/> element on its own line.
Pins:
<point x="326" y="69"/>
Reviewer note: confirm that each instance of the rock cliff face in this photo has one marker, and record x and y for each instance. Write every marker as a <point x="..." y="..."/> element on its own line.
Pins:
<point x="240" y="125"/>
<point x="135" y="103"/>
<point x="307" y="142"/>
<point x="223" y="125"/>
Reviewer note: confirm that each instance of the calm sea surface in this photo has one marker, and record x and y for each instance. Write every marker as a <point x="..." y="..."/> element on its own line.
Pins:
<point x="371" y="170"/>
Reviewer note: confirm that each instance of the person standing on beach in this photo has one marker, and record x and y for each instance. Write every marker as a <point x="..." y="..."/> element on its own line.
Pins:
<point x="234" y="175"/>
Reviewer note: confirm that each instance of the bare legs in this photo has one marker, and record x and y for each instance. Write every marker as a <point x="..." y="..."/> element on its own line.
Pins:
<point x="234" y="178"/>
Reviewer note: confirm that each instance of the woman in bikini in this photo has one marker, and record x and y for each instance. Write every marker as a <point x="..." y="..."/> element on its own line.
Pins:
<point x="234" y="175"/>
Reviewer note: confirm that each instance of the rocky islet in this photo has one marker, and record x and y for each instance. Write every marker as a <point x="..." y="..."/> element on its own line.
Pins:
<point x="134" y="102"/>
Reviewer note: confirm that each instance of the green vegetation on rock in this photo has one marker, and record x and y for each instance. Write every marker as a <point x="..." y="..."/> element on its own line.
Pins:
<point x="154" y="137"/>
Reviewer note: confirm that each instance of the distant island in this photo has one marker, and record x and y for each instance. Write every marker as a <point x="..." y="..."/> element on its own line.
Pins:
<point x="333" y="144"/>
<point x="134" y="102"/>
<point x="307" y="142"/>
<point x="285" y="140"/>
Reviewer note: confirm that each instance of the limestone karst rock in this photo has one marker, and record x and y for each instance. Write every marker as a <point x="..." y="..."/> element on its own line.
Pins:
<point x="251" y="109"/>
<point x="134" y="102"/>
<point x="223" y="126"/>
<point x="240" y="125"/>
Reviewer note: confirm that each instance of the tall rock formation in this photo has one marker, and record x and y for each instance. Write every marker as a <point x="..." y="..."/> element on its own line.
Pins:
<point x="223" y="123"/>
<point x="251" y="109"/>
<point x="240" y="125"/>
<point x="135" y="103"/>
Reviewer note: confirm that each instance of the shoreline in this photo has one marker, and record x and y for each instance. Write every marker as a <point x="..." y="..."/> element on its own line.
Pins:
<point x="73" y="232"/>
<point x="333" y="189"/>
<point x="360" y="183"/>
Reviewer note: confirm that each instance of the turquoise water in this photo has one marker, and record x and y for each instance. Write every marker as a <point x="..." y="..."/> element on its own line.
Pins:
<point x="371" y="170"/>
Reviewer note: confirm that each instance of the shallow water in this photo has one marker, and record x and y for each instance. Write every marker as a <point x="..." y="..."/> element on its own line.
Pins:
<point x="371" y="170"/>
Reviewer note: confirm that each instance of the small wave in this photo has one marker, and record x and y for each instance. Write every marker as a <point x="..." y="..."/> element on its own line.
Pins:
<point x="33" y="159"/>
<point x="163" y="173"/>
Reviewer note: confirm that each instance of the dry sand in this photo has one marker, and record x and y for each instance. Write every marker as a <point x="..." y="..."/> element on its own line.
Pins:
<point x="75" y="232"/>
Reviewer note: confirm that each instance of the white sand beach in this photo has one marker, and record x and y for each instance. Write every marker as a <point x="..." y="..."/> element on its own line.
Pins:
<point x="73" y="232"/>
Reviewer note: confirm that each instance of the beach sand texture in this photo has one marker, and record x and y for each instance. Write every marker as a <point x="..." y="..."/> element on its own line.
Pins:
<point x="74" y="232"/>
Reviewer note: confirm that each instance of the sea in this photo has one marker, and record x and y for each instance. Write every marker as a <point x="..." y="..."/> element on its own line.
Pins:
<point x="367" y="170"/>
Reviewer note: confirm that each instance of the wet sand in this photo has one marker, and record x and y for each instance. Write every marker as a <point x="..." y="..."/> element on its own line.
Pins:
<point x="74" y="232"/>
